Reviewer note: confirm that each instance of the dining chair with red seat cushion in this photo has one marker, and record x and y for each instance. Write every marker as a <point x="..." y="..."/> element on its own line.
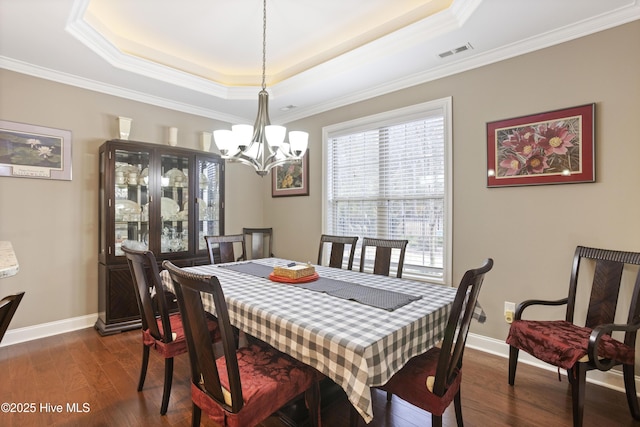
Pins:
<point x="242" y="386"/>
<point x="8" y="307"/>
<point x="383" y="255"/>
<point x="221" y="248"/>
<point x="161" y="330"/>
<point x="578" y="348"/>
<point x="431" y="381"/>
<point x="338" y="245"/>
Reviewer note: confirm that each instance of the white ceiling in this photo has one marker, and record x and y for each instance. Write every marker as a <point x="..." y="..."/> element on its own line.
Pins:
<point x="205" y="56"/>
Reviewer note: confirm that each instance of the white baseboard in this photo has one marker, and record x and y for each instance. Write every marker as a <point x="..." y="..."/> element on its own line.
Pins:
<point x="28" y="333"/>
<point x="612" y="379"/>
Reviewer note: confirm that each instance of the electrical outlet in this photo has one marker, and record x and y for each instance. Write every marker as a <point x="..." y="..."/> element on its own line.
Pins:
<point x="509" y="311"/>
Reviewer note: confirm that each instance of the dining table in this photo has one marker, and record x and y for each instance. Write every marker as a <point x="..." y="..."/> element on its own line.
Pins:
<point x="8" y="262"/>
<point x="356" y="328"/>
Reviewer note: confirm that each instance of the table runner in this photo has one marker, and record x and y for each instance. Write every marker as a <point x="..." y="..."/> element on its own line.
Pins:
<point x="375" y="297"/>
<point x="355" y="345"/>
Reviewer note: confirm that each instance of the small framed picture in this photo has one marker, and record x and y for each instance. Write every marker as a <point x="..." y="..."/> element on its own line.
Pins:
<point x="291" y="179"/>
<point x="29" y="151"/>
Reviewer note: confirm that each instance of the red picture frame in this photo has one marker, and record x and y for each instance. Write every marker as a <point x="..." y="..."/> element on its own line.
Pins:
<point x="291" y="179"/>
<point x="555" y="147"/>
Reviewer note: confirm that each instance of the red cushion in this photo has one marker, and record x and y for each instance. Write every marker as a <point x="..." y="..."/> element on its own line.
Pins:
<point x="269" y="379"/>
<point x="562" y="343"/>
<point x="410" y="383"/>
<point x="179" y="343"/>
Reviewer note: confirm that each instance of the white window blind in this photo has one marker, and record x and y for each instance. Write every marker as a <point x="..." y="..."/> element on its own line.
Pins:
<point x="386" y="177"/>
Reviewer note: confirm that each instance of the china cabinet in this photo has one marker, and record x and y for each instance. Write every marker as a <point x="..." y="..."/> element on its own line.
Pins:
<point x="156" y="197"/>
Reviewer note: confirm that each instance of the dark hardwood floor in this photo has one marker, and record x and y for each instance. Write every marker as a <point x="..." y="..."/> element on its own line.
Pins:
<point x="100" y="374"/>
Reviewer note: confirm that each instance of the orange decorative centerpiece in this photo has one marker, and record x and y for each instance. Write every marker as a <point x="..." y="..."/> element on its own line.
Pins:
<point x="295" y="271"/>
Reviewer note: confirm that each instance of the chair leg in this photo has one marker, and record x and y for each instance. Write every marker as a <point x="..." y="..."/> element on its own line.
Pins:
<point x="195" y="416"/>
<point x="389" y="396"/>
<point x="579" y="373"/>
<point x="436" y="421"/>
<point x="630" y="388"/>
<point x="513" y="363"/>
<point x="168" y="379"/>
<point x="312" y="400"/>
<point x="354" y="417"/>
<point x="457" y="403"/>
<point x="143" y="368"/>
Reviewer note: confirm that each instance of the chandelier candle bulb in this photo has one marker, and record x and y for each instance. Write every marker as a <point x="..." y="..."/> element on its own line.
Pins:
<point x="275" y="135"/>
<point x="224" y="139"/>
<point x="242" y="135"/>
<point x="299" y="142"/>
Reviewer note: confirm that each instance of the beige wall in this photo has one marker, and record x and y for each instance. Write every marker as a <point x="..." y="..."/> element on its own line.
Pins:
<point x="530" y="232"/>
<point x="53" y="224"/>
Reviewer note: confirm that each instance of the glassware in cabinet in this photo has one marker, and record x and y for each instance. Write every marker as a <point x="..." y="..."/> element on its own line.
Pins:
<point x="174" y="203"/>
<point x="134" y="180"/>
<point x="208" y="191"/>
<point x="131" y="199"/>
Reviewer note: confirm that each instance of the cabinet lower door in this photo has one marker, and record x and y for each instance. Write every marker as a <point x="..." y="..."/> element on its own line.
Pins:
<point x="117" y="304"/>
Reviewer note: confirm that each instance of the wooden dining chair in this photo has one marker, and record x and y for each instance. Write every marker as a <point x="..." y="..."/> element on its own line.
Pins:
<point x="337" y="248"/>
<point x="242" y="386"/>
<point x="221" y="248"/>
<point x="8" y="307"/>
<point x="384" y="251"/>
<point x="161" y="329"/>
<point x="431" y="380"/>
<point x="578" y="348"/>
<point x="255" y="238"/>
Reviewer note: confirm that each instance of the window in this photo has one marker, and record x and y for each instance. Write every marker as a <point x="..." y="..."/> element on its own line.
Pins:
<point x="389" y="176"/>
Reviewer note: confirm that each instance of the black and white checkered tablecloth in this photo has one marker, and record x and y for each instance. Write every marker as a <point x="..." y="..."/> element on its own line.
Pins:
<point x="356" y="345"/>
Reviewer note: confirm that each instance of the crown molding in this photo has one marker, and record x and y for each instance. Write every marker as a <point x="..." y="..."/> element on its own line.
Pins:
<point x="562" y="35"/>
<point x="599" y="23"/>
<point x="96" y="86"/>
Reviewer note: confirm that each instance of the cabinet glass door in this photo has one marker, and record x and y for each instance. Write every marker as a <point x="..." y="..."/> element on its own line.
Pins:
<point x="174" y="203"/>
<point x="208" y="202"/>
<point x="131" y="179"/>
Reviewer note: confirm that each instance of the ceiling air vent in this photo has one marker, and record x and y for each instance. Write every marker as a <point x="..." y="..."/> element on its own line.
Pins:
<point x="456" y="50"/>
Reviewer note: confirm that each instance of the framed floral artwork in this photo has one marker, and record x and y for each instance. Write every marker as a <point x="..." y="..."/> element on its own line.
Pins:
<point x="555" y="147"/>
<point x="291" y="179"/>
<point x="29" y="151"/>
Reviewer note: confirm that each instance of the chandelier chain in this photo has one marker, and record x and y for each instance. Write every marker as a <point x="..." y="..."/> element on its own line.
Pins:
<point x="251" y="145"/>
<point x="264" y="43"/>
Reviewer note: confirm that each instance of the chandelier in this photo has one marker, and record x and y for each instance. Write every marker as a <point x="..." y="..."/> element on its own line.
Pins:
<point x="261" y="145"/>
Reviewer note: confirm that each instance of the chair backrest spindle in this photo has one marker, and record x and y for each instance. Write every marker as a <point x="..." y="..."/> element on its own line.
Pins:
<point x="221" y="248"/>
<point x="606" y="282"/>
<point x="202" y="355"/>
<point x="457" y="330"/>
<point x="384" y="250"/>
<point x="257" y="238"/>
<point x="338" y="245"/>
<point x="146" y="278"/>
